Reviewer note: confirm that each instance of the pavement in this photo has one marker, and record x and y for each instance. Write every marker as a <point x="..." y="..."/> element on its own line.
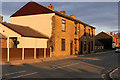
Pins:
<point x="93" y="66"/>
<point x="29" y="61"/>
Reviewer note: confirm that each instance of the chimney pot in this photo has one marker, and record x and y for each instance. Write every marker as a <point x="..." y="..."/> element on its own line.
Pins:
<point x="110" y="33"/>
<point x="63" y="12"/>
<point x="73" y="16"/>
<point x="51" y="7"/>
<point x="1" y="18"/>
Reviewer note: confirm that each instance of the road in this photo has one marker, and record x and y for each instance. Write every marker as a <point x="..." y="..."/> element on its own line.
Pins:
<point x="89" y="66"/>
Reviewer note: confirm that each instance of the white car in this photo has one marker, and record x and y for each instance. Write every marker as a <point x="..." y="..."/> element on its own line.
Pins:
<point x="117" y="50"/>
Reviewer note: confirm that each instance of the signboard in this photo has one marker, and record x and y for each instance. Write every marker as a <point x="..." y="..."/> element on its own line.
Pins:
<point x="113" y="45"/>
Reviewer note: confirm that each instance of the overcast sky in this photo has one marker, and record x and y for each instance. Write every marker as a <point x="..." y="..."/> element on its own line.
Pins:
<point x="102" y="15"/>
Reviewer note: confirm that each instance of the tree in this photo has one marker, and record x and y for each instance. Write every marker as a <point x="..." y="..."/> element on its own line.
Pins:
<point x="119" y="34"/>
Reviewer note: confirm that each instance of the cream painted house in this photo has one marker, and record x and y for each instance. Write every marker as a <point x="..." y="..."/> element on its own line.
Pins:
<point x="67" y="35"/>
<point x="22" y="36"/>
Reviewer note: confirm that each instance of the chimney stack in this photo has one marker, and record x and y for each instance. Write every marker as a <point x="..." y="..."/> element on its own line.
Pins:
<point x="1" y="18"/>
<point x="73" y="16"/>
<point x="51" y="7"/>
<point x="63" y="12"/>
<point x="114" y="33"/>
<point x="111" y="33"/>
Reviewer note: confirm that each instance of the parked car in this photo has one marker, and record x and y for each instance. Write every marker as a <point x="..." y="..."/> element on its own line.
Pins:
<point x="117" y="50"/>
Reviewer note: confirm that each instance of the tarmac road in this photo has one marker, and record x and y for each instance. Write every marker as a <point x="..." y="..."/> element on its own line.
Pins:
<point x="89" y="67"/>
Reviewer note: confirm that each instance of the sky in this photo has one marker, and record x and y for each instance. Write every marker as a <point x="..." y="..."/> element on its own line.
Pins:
<point x="102" y="15"/>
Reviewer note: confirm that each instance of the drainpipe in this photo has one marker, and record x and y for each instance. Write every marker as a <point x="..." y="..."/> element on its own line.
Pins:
<point x="8" y="50"/>
<point x="23" y="57"/>
<point x="35" y="49"/>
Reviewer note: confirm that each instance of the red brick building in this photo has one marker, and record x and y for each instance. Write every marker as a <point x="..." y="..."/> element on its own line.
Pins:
<point x="116" y="39"/>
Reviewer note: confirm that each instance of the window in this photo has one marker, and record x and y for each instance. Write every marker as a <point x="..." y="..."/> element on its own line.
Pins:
<point x="79" y="29"/>
<point x="116" y="41"/>
<point x="84" y="45"/>
<point x="92" y="32"/>
<point x="75" y="44"/>
<point x="63" y="44"/>
<point x="14" y="42"/>
<point x="84" y="30"/>
<point x="75" y="28"/>
<point x="89" y="32"/>
<point x="51" y="48"/>
<point x="63" y="25"/>
<point x="91" y="45"/>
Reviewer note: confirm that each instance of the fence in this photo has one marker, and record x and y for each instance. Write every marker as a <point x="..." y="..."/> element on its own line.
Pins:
<point x="24" y="53"/>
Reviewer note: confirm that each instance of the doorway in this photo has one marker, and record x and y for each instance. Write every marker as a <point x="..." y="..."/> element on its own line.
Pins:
<point x="71" y="47"/>
<point x="89" y="48"/>
<point x="81" y="51"/>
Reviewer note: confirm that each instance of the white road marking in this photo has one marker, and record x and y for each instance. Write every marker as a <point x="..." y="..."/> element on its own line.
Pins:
<point x="112" y="72"/>
<point x="13" y="73"/>
<point x="103" y="76"/>
<point x="65" y="66"/>
<point x="25" y="75"/>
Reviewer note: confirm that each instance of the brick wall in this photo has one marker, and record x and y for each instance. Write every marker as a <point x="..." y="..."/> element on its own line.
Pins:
<point x="69" y="35"/>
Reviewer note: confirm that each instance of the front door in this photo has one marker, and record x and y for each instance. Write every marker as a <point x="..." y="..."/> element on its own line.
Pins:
<point x="71" y="47"/>
<point x="89" y="48"/>
<point x="79" y="46"/>
<point x="81" y="51"/>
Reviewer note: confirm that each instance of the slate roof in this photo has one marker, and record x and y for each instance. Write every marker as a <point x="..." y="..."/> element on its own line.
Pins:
<point x="103" y="35"/>
<point x="32" y="8"/>
<point x="25" y="31"/>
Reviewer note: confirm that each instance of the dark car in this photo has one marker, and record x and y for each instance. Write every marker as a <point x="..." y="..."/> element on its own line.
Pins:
<point x="117" y="50"/>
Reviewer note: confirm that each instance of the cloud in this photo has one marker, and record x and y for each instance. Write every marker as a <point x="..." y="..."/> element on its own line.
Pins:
<point x="8" y="8"/>
<point x="100" y="14"/>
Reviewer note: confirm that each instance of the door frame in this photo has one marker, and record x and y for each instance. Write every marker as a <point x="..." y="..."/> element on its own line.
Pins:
<point x="81" y="49"/>
<point x="89" y="48"/>
<point x="71" y="47"/>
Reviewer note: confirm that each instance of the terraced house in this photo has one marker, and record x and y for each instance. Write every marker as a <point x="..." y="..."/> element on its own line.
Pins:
<point x="67" y="35"/>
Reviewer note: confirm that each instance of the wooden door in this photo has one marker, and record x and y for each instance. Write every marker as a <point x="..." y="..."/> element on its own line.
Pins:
<point x="71" y="48"/>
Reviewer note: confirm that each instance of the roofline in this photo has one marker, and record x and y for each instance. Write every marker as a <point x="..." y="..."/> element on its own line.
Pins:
<point x="68" y="17"/>
<point x="36" y="37"/>
<point x="105" y="33"/>
<point x="23" y="35"/>
<point x="58" y="13"/>
<point x="12" y="29"/>
<point x="36" y="3"/>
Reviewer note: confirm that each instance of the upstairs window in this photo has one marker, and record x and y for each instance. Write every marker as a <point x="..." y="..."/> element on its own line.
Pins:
<point x="75" y="44"/>
<point x="63" y="25"/>
<point x="91" y="45"/>
<point x="89" y="32"/>
<point x="75" y="28"/>
<point x="84" y="45"/>
<point x="79" y="28"/>
<point x="92" y="32"/>
<point x="84" y="30"/>
<point x="63" y="44"/>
